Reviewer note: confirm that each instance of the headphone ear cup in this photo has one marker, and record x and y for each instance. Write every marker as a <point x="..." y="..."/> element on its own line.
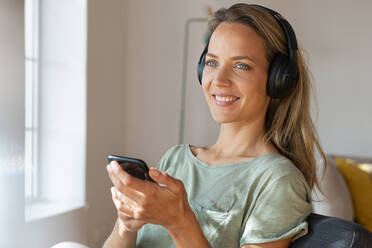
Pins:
<point x="282" y="77"/>
<point x="201" y="62"/>
<point x="200" y="68"/>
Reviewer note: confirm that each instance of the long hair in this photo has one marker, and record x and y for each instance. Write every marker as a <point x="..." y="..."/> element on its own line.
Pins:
<point x="288" y="122"/>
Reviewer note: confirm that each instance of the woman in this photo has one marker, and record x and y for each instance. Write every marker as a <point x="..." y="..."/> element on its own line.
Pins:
<point x="252" y="187"/>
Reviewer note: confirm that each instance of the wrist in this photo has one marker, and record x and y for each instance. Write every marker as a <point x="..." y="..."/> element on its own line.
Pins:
<point x="187" y="224"/>
<point x="120" y="237"/>
<point x="122" y="230"/>
<point x="188" y="233"/>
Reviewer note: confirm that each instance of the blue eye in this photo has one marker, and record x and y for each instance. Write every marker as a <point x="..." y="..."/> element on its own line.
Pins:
<point x="242" y="66"/>
<point x="210" y="63"/>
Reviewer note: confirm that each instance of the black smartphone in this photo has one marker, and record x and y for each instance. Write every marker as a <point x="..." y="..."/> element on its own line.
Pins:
<point x="135" y="167"/>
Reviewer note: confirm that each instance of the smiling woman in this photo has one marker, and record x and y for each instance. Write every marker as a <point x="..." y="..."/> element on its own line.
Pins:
<point x="252" y="187"/>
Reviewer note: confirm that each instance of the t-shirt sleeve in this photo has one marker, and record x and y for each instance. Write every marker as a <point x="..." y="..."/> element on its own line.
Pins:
<point x="162" y="164"/>
<point x="279" y="212"/>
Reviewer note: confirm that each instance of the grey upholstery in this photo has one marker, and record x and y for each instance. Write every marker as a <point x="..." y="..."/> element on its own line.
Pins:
<point x="330" y="232"/>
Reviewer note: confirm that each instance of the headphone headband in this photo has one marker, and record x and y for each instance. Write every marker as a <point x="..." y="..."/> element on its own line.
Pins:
<point x="286" y="27"/>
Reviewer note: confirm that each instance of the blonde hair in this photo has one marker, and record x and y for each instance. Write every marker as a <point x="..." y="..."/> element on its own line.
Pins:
<point x="288" y="123"/>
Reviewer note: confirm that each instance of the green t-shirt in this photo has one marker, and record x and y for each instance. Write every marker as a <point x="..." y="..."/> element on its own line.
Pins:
<point x="260" y="200"/>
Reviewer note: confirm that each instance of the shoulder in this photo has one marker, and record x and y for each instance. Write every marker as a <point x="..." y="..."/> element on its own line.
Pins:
<point x="278" y="165"/>
<point x="275" y="170"/>
<point x="174" y="153"/>
<point x="176" y="150"/>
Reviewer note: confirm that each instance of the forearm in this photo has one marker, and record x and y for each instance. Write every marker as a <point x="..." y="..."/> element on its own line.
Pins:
<point x="189" y="235"/>
<point x="121" y="238"/>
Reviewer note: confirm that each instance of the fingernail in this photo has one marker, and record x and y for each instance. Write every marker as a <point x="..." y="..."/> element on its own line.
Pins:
<point x="115" y="166"/>
<point x="112" y="191"/>
<point x="108" y="168"/>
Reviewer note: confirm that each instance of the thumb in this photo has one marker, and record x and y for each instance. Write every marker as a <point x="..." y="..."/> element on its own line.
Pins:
<point x="172" y="183"/>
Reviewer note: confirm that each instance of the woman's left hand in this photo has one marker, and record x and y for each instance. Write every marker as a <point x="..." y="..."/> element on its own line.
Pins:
<point x="149" y="202"/>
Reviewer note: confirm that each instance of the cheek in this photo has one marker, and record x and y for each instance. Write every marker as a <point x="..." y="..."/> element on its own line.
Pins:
<point x="260" y="97"/>
<point x="207" y="97"/>
<point x="255" y="92"/>
<point x="205" y="85"/>
<point x="206" y="77"/>
<point x="258" y="85"/>
<point x="205" y="88"/>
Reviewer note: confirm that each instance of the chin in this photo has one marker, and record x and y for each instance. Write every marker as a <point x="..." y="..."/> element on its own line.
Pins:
<point x="222" y="120"/>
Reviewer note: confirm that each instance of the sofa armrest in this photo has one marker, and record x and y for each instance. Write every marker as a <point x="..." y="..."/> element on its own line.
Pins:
<point x="325" y="231"/>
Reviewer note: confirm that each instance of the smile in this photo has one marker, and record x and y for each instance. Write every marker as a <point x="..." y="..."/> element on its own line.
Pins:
<point x="223" y="101"/>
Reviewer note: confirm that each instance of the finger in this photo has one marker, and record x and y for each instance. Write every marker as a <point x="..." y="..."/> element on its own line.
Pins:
<point x="126" y="194"/>
<point x="126" y="179"/>
<point x="127" y="200"/>
<point x="113" y="177"/>
<point x="125" y="212"/>
<point x="123" y="208"/>
<point x="115" y="199"/>
<point x="113" y="193"/>
<point x="124" y="216"/>
<point x="129" y="192"/>
<point x="130" y="207"/>
<point x="172" y="183"/>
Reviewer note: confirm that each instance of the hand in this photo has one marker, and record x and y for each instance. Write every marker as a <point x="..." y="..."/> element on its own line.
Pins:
<point x="125" y="222"/>
<point x="148" y="202"/>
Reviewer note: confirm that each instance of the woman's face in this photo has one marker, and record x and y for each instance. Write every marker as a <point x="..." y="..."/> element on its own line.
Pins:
<point x="235" y="75"/>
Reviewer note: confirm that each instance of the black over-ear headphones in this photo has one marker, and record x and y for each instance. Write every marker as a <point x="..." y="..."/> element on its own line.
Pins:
<point x="283" y="70"/>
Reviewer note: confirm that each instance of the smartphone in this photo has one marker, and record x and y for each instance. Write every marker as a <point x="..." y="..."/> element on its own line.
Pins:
<point x="135" y="167"/>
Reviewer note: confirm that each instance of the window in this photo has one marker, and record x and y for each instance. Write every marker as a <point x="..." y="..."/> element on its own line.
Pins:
<point x="31" y="96"/>
<point x="55" y="106"/>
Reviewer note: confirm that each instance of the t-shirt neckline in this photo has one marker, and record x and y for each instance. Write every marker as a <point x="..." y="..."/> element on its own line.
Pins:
<point x="217" y="166"/>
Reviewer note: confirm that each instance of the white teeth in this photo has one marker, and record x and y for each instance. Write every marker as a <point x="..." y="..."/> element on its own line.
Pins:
<point x="225" y="99"/>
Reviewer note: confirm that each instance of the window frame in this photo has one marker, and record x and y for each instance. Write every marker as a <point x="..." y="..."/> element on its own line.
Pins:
<point x="32" y="70"/>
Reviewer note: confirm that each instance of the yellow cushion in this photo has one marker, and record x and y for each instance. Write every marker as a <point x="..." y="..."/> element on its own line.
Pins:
<point x="360" y="186"/>
<point x="367" y="168"/>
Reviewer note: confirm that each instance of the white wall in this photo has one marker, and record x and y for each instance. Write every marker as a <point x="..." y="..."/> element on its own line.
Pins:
<point x="105" y="110"/>
<point x="338" y="39"/>
<point x="336" y="36"/>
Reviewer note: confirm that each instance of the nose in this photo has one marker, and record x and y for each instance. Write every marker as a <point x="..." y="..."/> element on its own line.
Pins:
<point x="222" y="76"/>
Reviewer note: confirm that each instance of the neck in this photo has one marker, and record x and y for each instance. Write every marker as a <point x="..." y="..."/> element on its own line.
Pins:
<point x="239" y="140"/>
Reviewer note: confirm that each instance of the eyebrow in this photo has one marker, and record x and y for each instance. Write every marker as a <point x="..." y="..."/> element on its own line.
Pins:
<point x="233" y="58"/>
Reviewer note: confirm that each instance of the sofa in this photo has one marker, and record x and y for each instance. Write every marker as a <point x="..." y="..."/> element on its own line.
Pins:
<point x="330" y="232"/>
<point x="333" y="222"/>
<point x="345" y="195"/>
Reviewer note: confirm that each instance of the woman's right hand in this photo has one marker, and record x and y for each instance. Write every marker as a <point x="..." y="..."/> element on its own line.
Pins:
<point x="125" y="222"/>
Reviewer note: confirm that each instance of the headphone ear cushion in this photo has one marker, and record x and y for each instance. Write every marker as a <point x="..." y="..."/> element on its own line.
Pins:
<point x="282" y="77"/>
